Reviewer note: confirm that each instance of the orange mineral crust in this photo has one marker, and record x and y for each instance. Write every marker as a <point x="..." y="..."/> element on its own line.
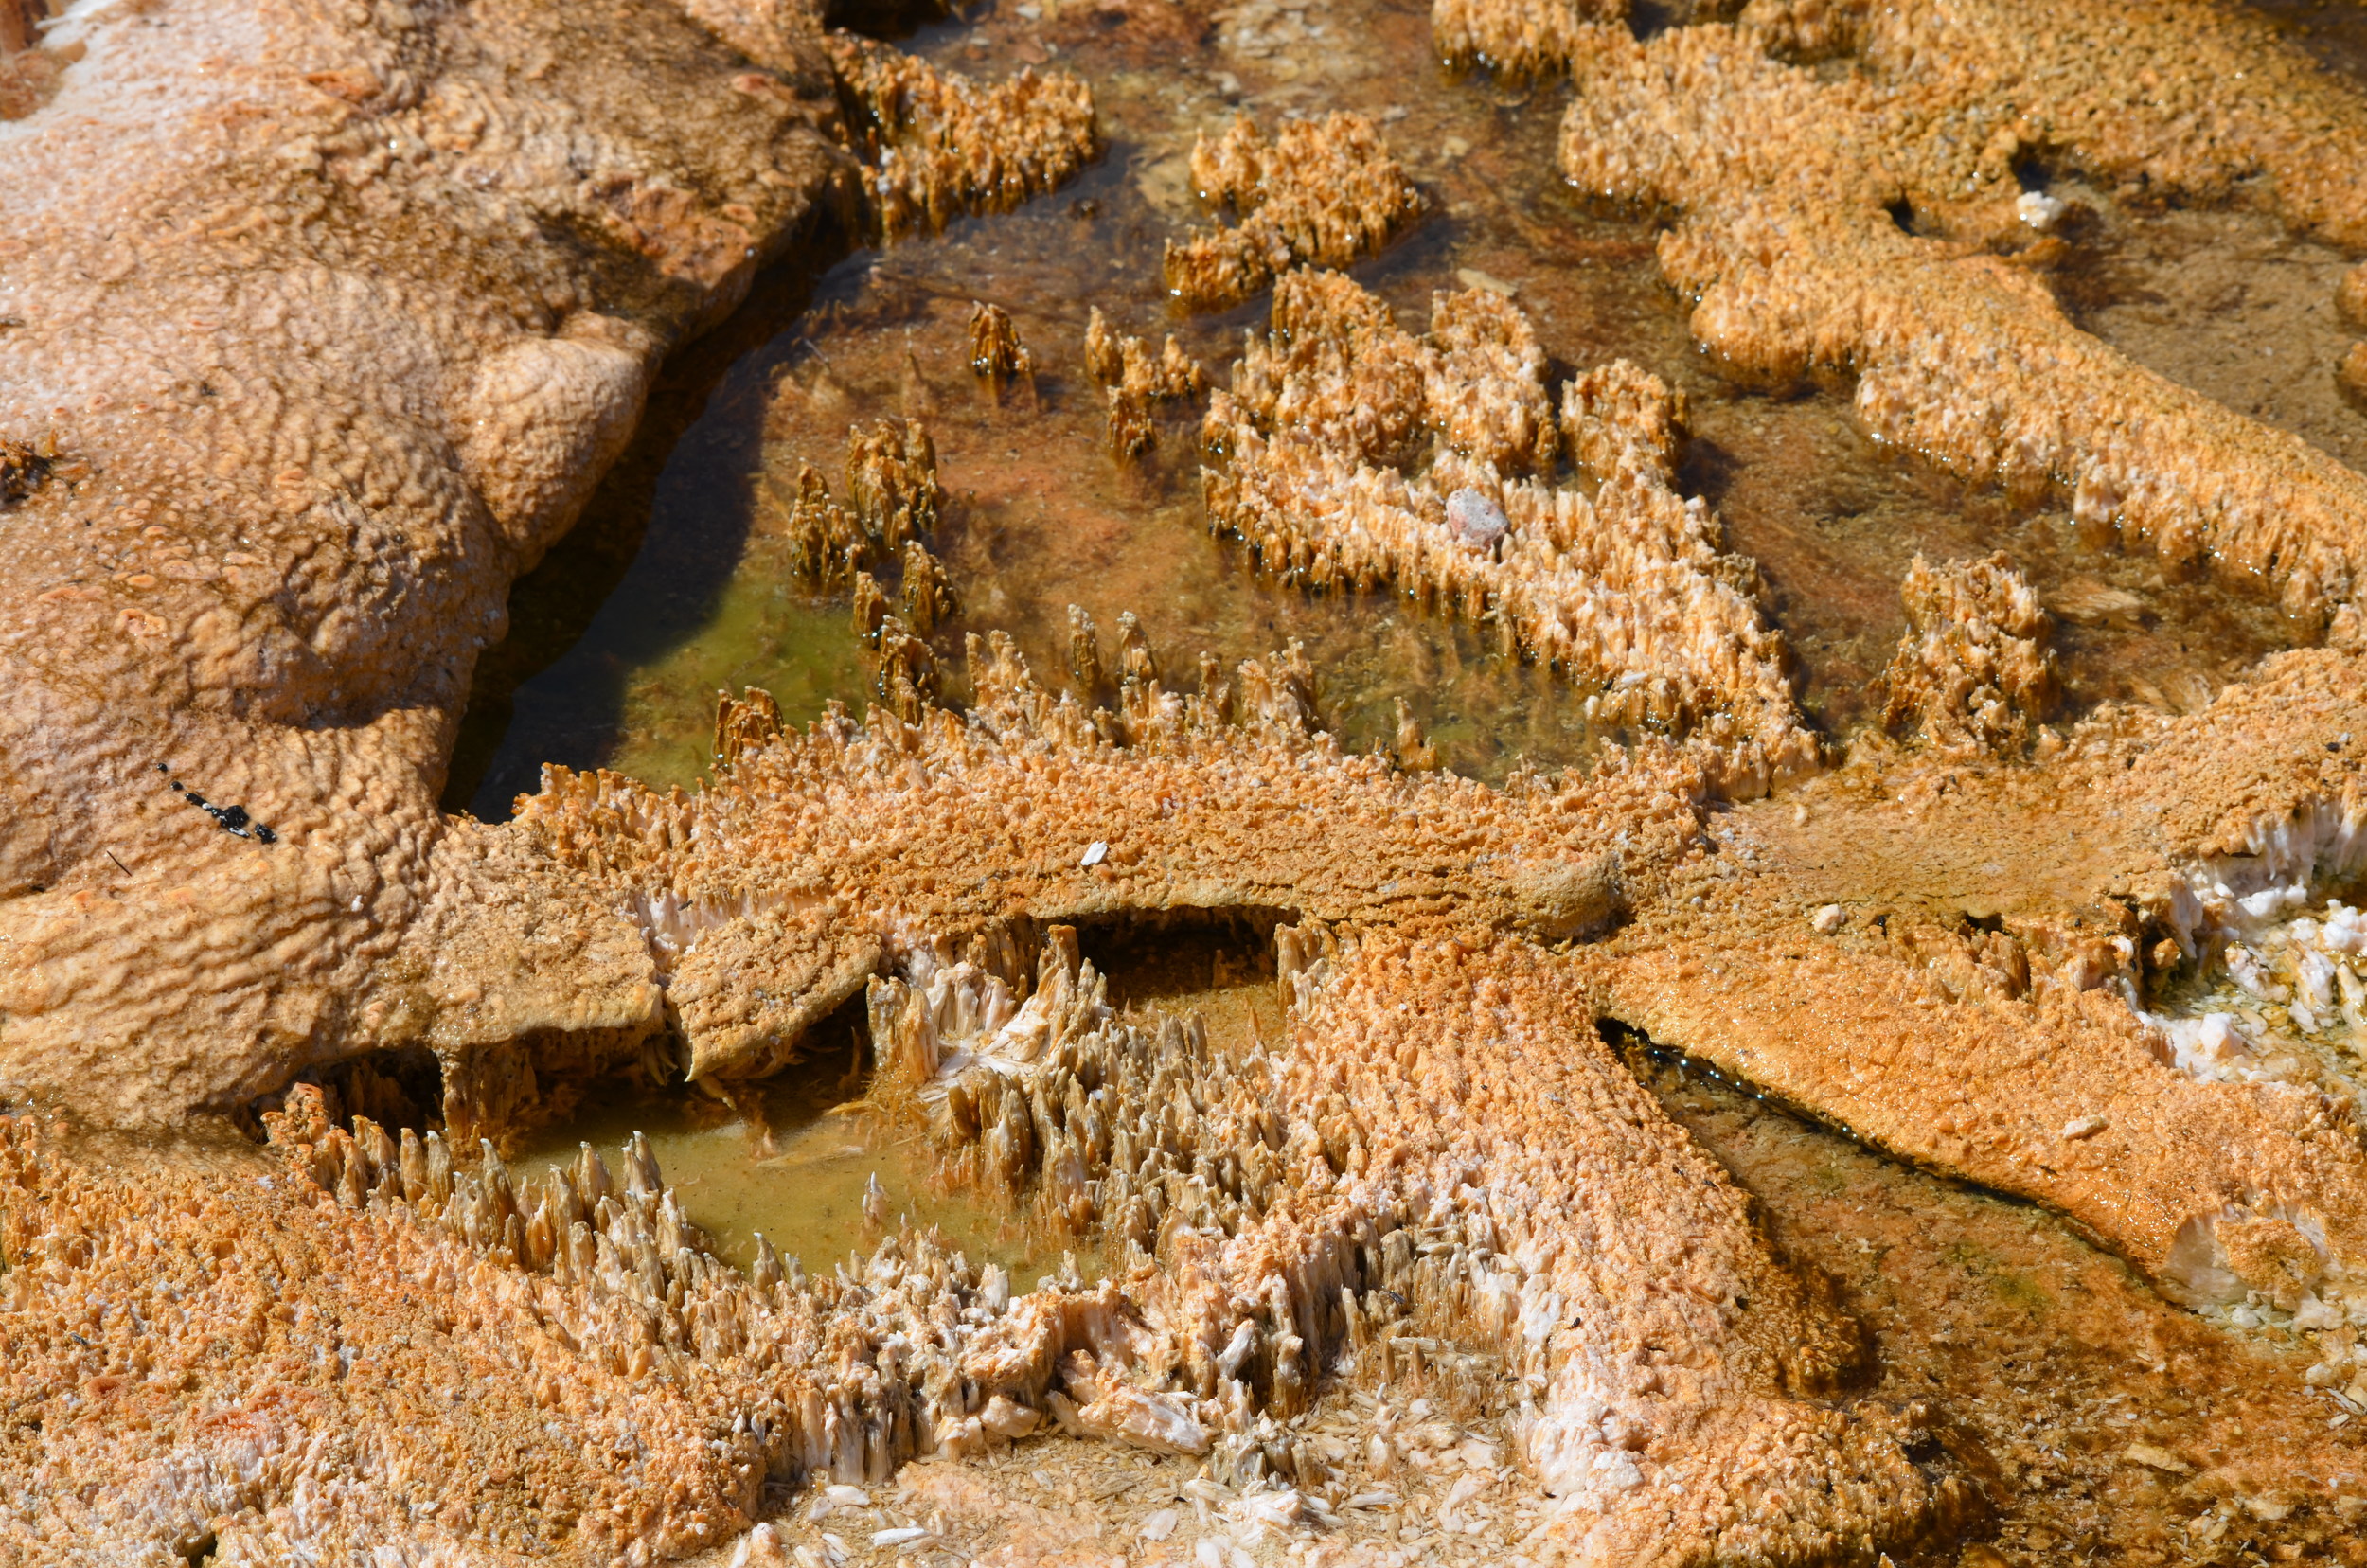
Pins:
<point x="1770" y="1140"/>
<point x="359" y="311"/>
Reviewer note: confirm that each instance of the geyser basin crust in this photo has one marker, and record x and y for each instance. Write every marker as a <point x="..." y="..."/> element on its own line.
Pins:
<point x="321" y="330"/>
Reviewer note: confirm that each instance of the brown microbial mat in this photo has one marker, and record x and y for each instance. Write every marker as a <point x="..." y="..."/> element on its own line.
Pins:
<point x="1159" y="782"/>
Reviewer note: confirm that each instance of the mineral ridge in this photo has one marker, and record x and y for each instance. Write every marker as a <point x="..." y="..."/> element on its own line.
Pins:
<point x="1322" y="192"/>
<point x="1354" y="453"/>
<point x="1871" y="222"/>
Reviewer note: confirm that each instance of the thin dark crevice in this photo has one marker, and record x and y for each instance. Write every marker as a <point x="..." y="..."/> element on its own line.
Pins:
<point x="398" y="1088"/>
<point x="1632" y="1045"/>
<point x="1648" y="19"/>
<point x="895" y="19"/>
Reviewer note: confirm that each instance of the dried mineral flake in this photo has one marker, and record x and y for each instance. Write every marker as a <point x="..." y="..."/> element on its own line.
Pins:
<point x="2037" y="209"/>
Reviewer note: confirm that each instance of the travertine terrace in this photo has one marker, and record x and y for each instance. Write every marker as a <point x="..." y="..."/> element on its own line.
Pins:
<point x="321" y="328"/>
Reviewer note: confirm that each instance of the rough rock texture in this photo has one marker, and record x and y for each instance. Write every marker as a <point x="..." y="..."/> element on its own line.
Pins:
<point x="2008" y="922"/>
<point x="249" y="570"/>
<point x="1355" y="454"/>
<point x="362" y="306"/>
<point x="817" y="862"/>
<point x="1354" y="1195"/>
<point x="1321" y="192"/>
<point x="1864" y="220"/>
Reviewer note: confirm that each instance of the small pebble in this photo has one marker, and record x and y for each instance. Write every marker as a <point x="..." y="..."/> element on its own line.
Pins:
<point x="1475" y="519"/>
<point x="2350" y="297"/>
<point x="2352" y="377"/>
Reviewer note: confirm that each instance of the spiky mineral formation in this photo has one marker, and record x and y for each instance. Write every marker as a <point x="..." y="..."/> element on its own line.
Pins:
<point x="1973" y="669"/>
<point x="1321" y="192"/>
<point x="1137" y="383"/>
<point x="1354" y="453"/>
<point x="1358" y="1195"/>
<point x="306" y="361"/>
<point x="945" y="146"/>
<point x="807" y="867"/>
<point x="1959" y="351"/>
<point x="996" y="355"/>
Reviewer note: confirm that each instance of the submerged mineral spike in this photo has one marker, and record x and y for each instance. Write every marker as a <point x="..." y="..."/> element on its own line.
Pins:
<point x="995" y="352"/>
<point x="1973" y="669"/>
<point x="892" y="480"/>
<point x="927" y="593"/>
<point x="1132" y="429"/>
<point x="1328" y="469"/>
<point x="1321" y="192"/>
<point x="1137" y="383"/>
<point x="870" y="607"/>
<point x="1084" y="652"/>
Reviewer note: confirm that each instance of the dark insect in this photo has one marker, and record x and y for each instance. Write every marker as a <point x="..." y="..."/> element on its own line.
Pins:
<point x="233" y="819"/>
<point x="22" y="467"/>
